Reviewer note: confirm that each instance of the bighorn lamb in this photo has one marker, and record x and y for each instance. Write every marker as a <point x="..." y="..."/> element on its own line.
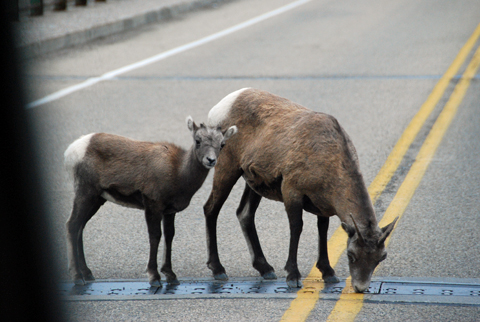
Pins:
<point x="160" y="178"/>
<point x="304" y="159"/>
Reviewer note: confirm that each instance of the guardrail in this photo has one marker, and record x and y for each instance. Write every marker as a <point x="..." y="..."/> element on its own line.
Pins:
<point x="37" y="7"/>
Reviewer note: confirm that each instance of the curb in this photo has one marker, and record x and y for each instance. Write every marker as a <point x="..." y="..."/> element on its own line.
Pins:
<point x="164" y="13"/>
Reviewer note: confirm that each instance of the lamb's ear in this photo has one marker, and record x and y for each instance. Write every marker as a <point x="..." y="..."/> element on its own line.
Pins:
<point x="230" y="132"/>
<point x="191" y="124"/>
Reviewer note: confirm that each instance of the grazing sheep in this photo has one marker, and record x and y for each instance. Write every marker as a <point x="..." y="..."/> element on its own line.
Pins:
<point x="305" y="159"/>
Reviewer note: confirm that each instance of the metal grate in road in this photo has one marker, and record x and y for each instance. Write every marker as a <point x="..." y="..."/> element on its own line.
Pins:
<point x="137" y="289"/>
<point x="379" y="291"/>
<point x="399" y="288"/>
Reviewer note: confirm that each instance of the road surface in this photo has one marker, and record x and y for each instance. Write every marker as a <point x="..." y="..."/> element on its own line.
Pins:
<point x="372" y="64"/>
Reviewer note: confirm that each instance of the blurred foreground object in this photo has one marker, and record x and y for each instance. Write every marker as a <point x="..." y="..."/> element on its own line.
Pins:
<point x="28" y="265"/>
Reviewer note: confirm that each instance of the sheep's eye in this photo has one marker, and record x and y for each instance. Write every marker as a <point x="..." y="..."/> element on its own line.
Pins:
<point x="197" y="141"/>
<point x="222" y="145"/>
<point x="383" y="258"/>
<point x="351" y="257"/>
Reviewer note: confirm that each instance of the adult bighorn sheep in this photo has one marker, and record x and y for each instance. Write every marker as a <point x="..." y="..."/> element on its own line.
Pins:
<point x="160" y="178"/>
<point x="304" y="159"/>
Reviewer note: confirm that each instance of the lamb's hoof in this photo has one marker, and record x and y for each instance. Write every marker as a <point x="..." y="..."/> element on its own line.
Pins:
<point x="173" y="282"/>
<point x="79" y="281"/>
<point x="155" y="283"/>
<point x="270" y="276"/>
<point x="89" y="277"/>
<point x="221" y="277"/>
<point x="331" y="279"/>
<point x="294" y="283"/>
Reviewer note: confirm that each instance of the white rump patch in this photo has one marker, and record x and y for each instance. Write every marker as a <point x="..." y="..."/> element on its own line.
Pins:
<point x="76" y="152"/>
<point x="219" y="112"/>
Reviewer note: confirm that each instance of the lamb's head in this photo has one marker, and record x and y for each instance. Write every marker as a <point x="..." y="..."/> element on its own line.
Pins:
<point x="365" y="252"/>
<point x="208" y="141"/>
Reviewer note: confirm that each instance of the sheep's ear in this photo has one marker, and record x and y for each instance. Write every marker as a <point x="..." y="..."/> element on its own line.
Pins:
<point x="230" y="132"/>
<point x="350" y="230"/>
<point x="386" y="231"/>
<point x="191" y="124"/>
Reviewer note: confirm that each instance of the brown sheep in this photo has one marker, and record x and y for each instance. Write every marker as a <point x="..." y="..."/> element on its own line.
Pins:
<point x="160" y="178"/>
<point x="305" y="159"/>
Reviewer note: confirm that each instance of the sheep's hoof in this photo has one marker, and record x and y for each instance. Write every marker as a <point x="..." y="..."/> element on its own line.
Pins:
<point x="89" y="277"/>
<point x="294" y="283"/>
<point x="270" y="276"/>
<point x="221" y="277"/>
<point x="170" y="277"/>
<point x="173" y="282"/>
<point x="79" y="281"/>
<point x="156" y="283"/>
<point x="331" y="279"/>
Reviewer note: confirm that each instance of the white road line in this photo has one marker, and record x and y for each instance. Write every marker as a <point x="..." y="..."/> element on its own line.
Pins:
<point x="109" y="75"/>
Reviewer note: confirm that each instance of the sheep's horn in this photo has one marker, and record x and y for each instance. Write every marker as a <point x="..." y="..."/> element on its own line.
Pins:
<point x="361" y="241"/>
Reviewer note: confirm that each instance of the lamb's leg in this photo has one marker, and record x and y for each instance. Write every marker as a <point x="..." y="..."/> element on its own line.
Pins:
<point x="168" y="233"/>
<point x="223" y="182"/>
<point x="153" y="219"/>
<point x="86" y="272"/>
<point x="323" y="264"/>
<point x="84" y="207"/>
<point x="246" y="217"/>
<point x="294" y="211"/>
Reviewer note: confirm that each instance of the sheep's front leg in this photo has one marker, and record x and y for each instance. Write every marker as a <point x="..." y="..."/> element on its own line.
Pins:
<point x="153" y="219"/>
<point x="294" y="212"/>
<point x="213" y="262"/>
<point x="223" y="182"/>
<point x="323" y="264"/>
<point x="168" y="233"/>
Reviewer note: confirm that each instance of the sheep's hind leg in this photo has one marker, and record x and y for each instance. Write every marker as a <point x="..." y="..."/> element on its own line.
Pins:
<point x="86" y="272"/>
<point x="168" y="233"/>
<point x="323" y="264"/>
<point x="84" y="207"/>
<point x="246" y="216"/>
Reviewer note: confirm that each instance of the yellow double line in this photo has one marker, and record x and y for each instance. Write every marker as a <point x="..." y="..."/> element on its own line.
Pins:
<point x="350" y="304"/>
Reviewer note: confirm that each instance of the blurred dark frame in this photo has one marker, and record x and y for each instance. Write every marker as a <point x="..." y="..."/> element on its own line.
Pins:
<point x="28" y="266"/>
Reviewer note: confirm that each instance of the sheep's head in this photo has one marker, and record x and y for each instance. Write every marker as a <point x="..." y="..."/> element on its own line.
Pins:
<point x="365" y="252"/>
<point x="208" y="141"/>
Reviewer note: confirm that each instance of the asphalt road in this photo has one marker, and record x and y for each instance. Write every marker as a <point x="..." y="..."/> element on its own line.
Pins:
<point x="371" y="64"/>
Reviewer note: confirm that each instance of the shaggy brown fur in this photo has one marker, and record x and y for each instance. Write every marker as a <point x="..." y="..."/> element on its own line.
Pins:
<point x="302" y="158"/>
<point x="160" y="178"/>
